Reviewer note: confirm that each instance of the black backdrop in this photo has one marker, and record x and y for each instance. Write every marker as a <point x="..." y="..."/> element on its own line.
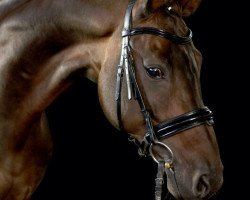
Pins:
<point x="92" y="160"/>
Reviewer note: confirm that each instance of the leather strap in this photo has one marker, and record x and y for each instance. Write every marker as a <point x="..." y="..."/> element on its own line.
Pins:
<point x="160" y="33"/>
<point x="159" y="181"/>
<point x="183" y="122"/>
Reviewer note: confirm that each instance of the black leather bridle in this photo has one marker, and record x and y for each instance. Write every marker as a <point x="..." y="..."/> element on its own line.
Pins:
<point x="167" y="128"/>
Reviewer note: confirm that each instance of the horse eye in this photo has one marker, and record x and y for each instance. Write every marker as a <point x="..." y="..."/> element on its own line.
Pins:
<point x="154" y="72"/>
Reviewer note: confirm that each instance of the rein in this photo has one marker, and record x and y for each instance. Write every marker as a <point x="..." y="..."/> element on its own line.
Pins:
<point x="165" y="129"/>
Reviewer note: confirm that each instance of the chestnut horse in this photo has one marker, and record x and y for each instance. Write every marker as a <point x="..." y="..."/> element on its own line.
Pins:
<point x="46" y="45"/>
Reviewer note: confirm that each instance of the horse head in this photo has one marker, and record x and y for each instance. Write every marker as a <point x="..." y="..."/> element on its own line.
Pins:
<point x="167" y="116"/>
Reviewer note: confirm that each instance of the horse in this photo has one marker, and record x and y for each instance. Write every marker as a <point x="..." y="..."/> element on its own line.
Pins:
<point x="141" y="56"/>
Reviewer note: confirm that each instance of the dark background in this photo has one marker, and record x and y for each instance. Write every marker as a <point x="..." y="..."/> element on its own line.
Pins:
<point x="92" y="160"/>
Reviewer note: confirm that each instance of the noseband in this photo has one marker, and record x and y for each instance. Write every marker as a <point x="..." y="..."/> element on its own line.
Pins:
<point x="167" y="128"/>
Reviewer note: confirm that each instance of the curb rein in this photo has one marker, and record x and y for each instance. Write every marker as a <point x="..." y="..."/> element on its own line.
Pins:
<point x="165" y="129"/>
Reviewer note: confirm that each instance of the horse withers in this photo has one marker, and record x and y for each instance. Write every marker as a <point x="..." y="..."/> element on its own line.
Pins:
<point x="141" y="55"/>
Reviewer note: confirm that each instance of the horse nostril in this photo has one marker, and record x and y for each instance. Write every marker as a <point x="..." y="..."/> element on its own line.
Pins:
<point x="202" y="187"/>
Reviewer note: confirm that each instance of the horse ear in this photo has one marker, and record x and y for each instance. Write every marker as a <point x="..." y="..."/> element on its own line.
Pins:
<point x="188" y="6"/>
<point x="145" y="7"/>
<point x="151" y="5"/>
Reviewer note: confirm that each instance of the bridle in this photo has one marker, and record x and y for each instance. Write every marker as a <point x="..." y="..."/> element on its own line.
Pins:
<point x="167" y="128"/>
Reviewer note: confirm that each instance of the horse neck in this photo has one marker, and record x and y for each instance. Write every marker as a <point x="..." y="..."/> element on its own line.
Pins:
<point x="45" y="42"/>
<point x="95" y="16"/>
<point x="27" y="23"/>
